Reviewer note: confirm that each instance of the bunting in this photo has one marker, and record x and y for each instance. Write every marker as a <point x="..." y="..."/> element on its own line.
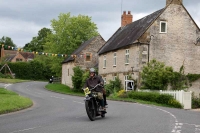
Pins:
<point x="43" y="53"/>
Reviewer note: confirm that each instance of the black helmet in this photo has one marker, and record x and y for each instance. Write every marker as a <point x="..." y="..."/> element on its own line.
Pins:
<point x="92" y="70"/>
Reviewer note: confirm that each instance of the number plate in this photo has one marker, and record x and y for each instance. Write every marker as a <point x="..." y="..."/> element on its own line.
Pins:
<point x="87" y="91"/>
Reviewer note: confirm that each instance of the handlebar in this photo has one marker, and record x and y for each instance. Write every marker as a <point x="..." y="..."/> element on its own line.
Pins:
<point x="96" y="86"/>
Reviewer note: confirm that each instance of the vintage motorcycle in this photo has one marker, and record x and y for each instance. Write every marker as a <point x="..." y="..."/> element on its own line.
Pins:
<point x="92" y="103"/>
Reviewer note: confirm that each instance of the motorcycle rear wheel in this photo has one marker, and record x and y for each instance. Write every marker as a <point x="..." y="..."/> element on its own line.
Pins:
<point x="90" y="112"/>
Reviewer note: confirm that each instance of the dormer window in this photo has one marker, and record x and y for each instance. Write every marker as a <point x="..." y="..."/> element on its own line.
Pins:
<point x="163" y="27"/>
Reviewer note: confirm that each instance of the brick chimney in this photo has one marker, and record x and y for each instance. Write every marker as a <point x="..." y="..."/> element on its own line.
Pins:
<point x="126" y="18"/>
<point x="178" y="2"/>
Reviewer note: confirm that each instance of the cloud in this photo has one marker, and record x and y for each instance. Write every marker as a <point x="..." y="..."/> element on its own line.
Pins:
<point x="22" y="19"/>
<point x="21" y="30"/>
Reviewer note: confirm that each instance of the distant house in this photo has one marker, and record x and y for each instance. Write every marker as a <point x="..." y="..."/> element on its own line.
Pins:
<point x="168" y="35"/>
<point x="85" y="56"/>
<point x="15" y="56"/>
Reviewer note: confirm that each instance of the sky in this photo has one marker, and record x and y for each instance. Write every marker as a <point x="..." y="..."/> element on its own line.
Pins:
<point x="22" y="19"/>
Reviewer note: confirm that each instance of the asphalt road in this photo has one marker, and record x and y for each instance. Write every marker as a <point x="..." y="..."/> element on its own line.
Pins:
<point x="59" y="113"/>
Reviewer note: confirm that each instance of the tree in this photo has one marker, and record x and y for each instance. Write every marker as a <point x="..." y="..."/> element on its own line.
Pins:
<point x="156" y="76"/>
<point x="68" y="33"/>
<point x="7" y="41"/>
<point x="37" y="43"/>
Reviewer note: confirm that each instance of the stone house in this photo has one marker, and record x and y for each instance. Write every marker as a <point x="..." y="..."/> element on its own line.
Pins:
<point x="15" y="56"/>
<point x="169" y="35"/>
<point x="85" y="56"/>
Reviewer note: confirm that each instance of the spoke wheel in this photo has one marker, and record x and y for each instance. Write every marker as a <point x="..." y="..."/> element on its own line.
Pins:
<point x="90" y="112"/>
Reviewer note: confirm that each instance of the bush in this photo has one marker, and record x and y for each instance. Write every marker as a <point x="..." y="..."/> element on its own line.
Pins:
<point x="32" y="70"/>
<point x="174" y="103"/>
<point x="163" y="98"/>
<point x="85" y="76"/>
<point x="77" y="78"/>
<point x="195" y="102"/>
<point x="155" y="97"/>
<point x="122" y="94"/>
<point x="113" y="86"/>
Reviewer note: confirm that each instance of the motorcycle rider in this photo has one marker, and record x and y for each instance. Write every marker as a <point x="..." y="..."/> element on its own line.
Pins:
<point x="92" y="81"/>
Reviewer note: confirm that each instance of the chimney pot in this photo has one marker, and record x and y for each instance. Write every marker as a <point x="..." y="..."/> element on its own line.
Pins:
<point x="124" y="12"/>
<point x="126" y="18"/>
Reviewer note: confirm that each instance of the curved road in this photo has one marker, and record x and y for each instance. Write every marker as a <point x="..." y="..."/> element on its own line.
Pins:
<point x="59" y="113"/>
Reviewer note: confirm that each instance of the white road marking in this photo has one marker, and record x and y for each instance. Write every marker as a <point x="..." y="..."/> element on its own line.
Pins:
<point x="6" y="85"/>
<point x="177" y="127"/>
<point x="24" y="130"/>
<point x="57" y="97"/>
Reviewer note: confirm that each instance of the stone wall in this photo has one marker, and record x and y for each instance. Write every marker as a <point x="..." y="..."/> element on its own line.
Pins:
<point x="176" y="47"/>
<point x="121" y="69"/>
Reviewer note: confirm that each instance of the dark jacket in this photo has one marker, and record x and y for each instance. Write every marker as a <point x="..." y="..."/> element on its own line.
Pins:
<point x="91" y="82"/>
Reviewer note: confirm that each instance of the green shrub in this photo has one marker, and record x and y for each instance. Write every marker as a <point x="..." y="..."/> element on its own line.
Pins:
<point x="33" y="70"/>
<point x="85" y="76"/>
<point x="146" y="96"/>
<point x="195" y="102"/>
<point x="122" y="94"/>
<point x="163" y="98"/>
<point x="174" y="103"/>
<point x="77" y="78"/>
<point x="155" y="97"/>
<point x="113" y="86"/>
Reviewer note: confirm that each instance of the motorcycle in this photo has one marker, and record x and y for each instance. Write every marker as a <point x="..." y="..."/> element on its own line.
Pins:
<point x="92" y="103"/>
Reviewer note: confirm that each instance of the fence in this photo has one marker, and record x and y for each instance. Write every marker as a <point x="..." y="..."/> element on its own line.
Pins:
<point x="55" y="80"/>
<point x="183" y="97"/>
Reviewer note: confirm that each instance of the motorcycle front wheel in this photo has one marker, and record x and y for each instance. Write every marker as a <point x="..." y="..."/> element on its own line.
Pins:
<point x="90" y="111"/>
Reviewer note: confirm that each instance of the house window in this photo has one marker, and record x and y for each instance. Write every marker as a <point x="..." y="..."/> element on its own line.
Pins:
<point x="115" y="59"/>
<point x="18" y="59"/>
<point x="163" y="27"/>
<point x="127" y="56"/>
<point x="104" y="61"/>
<point x="88" y="56"/>
<point x="114" y="78"/>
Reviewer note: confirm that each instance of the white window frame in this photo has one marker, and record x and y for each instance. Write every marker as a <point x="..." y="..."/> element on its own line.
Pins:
<point x="125" y="78"/>
<point x="104" y="79"/>
<point x="163" y="22"/>
<point x="114" y="78"/>
<point x="127" y="56"/>
<point x="114" y="59"/>
<point x="104" y="61"/>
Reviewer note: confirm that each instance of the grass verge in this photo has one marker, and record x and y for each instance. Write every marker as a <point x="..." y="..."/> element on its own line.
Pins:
<point x="4" y="80"/>
<point x="11" y="101"/>
<point x="60" y="88"/>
